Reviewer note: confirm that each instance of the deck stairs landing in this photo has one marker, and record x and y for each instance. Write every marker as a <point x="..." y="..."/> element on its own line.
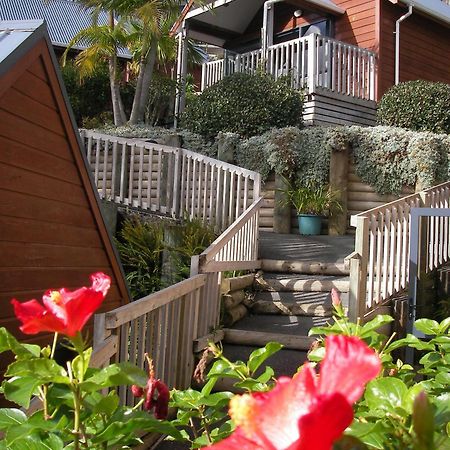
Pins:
<point x="291" y="294"/>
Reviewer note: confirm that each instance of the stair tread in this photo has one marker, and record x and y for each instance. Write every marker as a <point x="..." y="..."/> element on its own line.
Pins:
<point x="304" y="267"/>
<point x="289" y="325"/>
<point x="301" y="276"/>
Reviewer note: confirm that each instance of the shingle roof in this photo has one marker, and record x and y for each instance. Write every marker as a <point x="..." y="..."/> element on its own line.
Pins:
<point x="64" y="18"/>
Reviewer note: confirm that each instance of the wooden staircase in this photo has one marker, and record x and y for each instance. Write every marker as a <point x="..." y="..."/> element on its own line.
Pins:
<point x="289" y="297"/>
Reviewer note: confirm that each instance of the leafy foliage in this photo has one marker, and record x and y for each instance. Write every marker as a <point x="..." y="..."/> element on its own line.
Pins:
<point x="90" y="96"/>
<point x="244" y="104"/>
<point x="417" y="105"/>
<point x="311" y="198"/>
<point x="408" y="407"/>
<point x="141" y="245"/>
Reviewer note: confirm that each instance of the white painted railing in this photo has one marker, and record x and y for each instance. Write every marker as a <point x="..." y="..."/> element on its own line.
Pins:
<point x="380" y="264"/>
<point x="312" y="62"/>
<point x="169" y="180"/>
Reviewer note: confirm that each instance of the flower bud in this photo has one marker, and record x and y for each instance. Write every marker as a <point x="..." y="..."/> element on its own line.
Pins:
<point x="137" y="391"/>
<point x="423" y="421"/>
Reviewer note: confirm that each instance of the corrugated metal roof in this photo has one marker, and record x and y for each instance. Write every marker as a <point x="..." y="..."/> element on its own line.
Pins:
<point x="64" y="18"/>
<point x="13" y="34"/>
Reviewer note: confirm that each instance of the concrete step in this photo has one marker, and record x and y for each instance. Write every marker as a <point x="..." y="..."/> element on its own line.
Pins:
<point x="301" y="282"/>
<point x="293" y="303"/>
<point x="304" y="267"/>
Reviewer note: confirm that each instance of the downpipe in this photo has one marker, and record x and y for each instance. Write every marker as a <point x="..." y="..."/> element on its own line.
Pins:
<point x="397" y="43"/>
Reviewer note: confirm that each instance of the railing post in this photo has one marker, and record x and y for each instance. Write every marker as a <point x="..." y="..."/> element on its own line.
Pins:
<point x="372" y="68"/>
<point x="358" y="271"/>
<point x="176" y="197"/>
<point x="312" y="63"/>
<point x="204" y="75"/>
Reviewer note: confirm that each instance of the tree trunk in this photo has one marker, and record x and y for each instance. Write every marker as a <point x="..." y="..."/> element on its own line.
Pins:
<point x="143" y="85"/>
<point x="116" y="98"/>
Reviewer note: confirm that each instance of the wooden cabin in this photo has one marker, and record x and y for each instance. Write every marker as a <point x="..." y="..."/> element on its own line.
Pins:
<point x="344" y="53"/>
<point x="52" y="233"/>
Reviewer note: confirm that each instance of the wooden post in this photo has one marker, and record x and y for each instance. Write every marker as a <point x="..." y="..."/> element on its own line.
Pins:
<point x="312" y="63"/>
<point x="281" y="208"/>
<point x="358" y="271"/>
<point x="337" y="223"/>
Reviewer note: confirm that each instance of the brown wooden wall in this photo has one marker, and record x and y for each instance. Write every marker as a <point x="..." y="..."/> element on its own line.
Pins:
<point x="51" y="234"/>
<point x="424" y="48"/>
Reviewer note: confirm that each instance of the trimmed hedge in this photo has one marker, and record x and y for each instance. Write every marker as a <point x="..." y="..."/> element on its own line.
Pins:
<point x="417" y="105"/>
<point x="244" y="104"/>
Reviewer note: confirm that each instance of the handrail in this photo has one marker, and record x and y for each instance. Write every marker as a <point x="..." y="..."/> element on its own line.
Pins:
<point x="379" y="267"/>
<point x="169" y="180"/>
<point x="315" y="61"/>
<point x="175" y="181"/>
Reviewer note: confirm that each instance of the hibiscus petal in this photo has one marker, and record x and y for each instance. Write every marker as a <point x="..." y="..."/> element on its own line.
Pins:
<point x="101" y="282"/>
<point x="35" y="318"/>
<point x="274" y="415"/>
<point x="238" y="441"/>
<point x="348" y="365"/>
<point x="325" y="423"/>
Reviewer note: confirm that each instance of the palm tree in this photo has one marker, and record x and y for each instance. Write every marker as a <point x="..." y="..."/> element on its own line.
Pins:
<point x="144" y="27"/>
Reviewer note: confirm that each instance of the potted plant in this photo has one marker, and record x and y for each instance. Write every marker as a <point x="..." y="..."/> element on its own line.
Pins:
<point x="312" y="201"/>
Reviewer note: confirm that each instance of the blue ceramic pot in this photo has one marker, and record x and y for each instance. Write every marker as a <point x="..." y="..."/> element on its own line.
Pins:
<point x="309" y="224"/>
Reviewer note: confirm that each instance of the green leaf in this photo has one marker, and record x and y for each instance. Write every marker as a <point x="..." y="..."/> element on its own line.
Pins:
<point x="385" y="394"/>
<point x="427" y="326"/>
<point x="9" y="342"/>
<point x="80" y="365"/>
<point x="218" y="399"/>
<point x="266" y="375"/>
<point x="411" y="341"/>
<point x="107" y="404"/>
<point x="222" y="369"/>
<point x="442" y="413"/>
<point x="317" y="354"/>
<point x="125" y="423"/>
<point x="444" y="325"/>
<point x="259" y="356"/>
<point x="115" y="375"/>
<point x="443" y="378"/>
<point x="207" y="388"/>
<point x="43" y="370"/>
<point x="20" y="390"/>
<point x="11" y="417"/>
<point x="188" y="398"/>
<point x="374" y="325"/>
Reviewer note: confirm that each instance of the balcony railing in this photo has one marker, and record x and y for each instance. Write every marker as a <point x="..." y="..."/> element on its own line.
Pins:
<point x="312" y="62"/>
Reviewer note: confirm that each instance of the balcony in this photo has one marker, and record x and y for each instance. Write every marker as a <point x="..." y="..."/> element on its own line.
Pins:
<point x="315" y="63"/>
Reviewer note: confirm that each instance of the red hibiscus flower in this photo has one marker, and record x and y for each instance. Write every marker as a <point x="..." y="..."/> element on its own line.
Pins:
<point x="309" y="411"/>
<point x="156" y="394"/>
<point x="63" y="311"/>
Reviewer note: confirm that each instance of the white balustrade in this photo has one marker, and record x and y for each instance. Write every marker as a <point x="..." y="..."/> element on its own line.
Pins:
<point x="311" y="62"/>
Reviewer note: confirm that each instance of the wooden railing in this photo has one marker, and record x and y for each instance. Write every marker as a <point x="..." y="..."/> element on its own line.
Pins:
<point x="176" y="182"/>
<point x="169" y="180"/>
<point x="312" y="62"/>
<point x="379" y="267"/>
<point x="235" y="249"/>
<point x="163" y="325"/>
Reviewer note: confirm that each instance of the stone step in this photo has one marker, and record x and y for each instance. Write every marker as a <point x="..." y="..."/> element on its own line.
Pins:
<point x="301" y="282"/>
<point x="304" y="267"/>
<point x="293" y="303"/>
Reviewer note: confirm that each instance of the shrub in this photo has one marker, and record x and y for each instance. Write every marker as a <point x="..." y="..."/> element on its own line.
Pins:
<point x="417" y="105"/>
<point x="89" y="97"/>
<point x="244" y="104"/>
